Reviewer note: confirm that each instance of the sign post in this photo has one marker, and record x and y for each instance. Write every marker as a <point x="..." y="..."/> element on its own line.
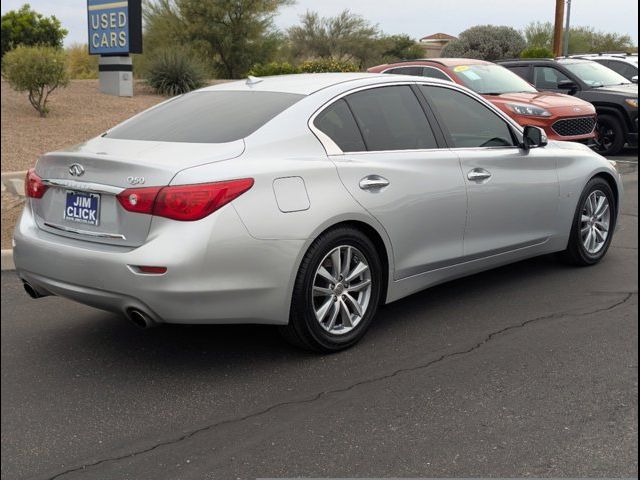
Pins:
<point x="115" y="31"/>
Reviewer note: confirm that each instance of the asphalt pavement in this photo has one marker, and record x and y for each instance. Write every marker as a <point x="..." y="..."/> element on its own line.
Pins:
<point x="527" y="370"/>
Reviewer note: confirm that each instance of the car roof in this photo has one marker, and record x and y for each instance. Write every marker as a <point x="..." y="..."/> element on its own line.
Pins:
<point x="301" y="84"/>
<point x="631" y="59"/>
<point x="446" y="62"/>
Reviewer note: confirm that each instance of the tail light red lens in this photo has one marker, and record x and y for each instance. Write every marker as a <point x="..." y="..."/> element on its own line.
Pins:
<point x="33" y="185"/>
<point x="183" y="202"/>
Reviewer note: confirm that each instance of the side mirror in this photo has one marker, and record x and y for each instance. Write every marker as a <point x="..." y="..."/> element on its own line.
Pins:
<point x="533" y="137"/>
<point x="634" y="79"/>
<point x="569" y="85"/>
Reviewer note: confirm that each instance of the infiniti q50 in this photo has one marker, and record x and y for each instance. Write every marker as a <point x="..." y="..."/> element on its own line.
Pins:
<point x="305" y="201"/>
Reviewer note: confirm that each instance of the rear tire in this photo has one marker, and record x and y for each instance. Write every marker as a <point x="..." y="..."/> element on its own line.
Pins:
<point x="336" y="295"/>
<point x="590" y="222"/>
<point x="610" y="135"/>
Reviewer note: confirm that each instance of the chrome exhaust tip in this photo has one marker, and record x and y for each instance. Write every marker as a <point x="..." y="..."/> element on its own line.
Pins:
<point x="140" y="319"/>
<point x="32" y="292"/>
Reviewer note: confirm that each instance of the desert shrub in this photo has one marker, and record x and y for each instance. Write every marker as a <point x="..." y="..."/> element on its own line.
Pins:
<point x="80" y="64"/>
<point x="174" y="72"/>
<point x="536" y="52"/>
<point x="36" y="70"/>
<point x="327" y="65"/>
<point x="486" y="42"/>
<point x="272" y="68"/>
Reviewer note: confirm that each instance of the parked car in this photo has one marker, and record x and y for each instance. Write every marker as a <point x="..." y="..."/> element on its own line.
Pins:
<point x="561" y="116"/>
<point x="622" y="63"/>
<point x="615" y="97"/>
<point x="305" y="201"/>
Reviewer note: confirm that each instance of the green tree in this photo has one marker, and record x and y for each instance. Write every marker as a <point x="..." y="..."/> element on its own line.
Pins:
<point x="400" y="47"/>
<point x="37" y="70"/>
<point x="581" y="39"/>
<point x="346" y="36"/>
<point x="486" y="42"/>
<point x="239" y="33"/>
<point x="539" y="35"/>
<point x="28" y="27"/>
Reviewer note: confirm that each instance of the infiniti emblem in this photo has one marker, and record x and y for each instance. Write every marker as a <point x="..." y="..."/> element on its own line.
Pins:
<point x="76" y="170"/>
<point x="577" y="109"/>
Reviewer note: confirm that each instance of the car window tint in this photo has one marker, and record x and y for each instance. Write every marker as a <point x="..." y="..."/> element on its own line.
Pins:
<point x="627" y="70"/>
<point x="469" y="123"/>
<point x="548" y="78"/>
<point x="206" y="117"/>
<point x="522" y="71"/>
<point x="391" y="118"/>
<point x="338" y="124"/>
<point x="435" y="73"/>
<point x="416" y="71"/>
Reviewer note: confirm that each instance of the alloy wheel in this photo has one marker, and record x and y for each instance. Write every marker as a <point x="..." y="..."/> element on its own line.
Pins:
<point x="595" y="222"/>
<point x="341" y="290"/>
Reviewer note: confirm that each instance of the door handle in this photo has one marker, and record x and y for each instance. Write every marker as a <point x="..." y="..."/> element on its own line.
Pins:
<point x="374" y="182"/>
<point x="478" y="175"/>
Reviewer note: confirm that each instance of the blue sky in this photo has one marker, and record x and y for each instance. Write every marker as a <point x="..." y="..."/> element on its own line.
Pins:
<point x="414" y="17"/>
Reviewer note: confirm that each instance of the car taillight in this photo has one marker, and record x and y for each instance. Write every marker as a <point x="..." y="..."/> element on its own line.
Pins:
<point x="33" y="185"/>
<point x="183" y="202"/>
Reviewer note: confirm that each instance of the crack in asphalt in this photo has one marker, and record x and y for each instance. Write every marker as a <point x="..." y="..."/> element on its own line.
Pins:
<point x="624" y="248"/>
<point x="322" y="394"/>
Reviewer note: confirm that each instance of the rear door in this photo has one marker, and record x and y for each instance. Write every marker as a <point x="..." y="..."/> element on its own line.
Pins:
<point x="390" y="161"/>
<point x="513" y="194"/>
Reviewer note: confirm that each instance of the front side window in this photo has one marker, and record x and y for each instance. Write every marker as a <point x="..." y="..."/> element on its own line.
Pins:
<point x="213" y="116"/>
<point x="548" y="78"/>
<point x="391" y="118"/>
<point x="337" y="122"/>
<point x="470" y="123"/>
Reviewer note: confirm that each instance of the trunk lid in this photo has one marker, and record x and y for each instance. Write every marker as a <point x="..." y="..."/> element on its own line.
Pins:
<point x="84" y="205"/>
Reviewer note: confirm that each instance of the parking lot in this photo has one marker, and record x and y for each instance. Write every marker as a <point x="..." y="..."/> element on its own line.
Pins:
<point x="528" y="370"/>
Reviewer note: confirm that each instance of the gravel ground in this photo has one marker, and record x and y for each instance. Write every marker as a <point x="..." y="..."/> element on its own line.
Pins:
<point x="77" y="113"/>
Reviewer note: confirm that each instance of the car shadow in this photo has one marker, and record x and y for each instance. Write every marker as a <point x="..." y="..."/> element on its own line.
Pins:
<point x="196" y="347"/>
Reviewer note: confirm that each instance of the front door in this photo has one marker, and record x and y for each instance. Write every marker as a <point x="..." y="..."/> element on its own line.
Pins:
<point x="513" y="193"/>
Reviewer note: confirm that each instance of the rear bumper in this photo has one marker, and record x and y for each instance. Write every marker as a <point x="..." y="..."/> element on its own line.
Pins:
<point x="216" y="272"/>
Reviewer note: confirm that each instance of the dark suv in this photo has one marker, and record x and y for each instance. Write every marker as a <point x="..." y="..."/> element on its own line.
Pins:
<point x="615" y="97"/>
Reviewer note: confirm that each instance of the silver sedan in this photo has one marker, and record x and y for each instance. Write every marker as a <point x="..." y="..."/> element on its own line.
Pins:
<point x="305" y="201"/>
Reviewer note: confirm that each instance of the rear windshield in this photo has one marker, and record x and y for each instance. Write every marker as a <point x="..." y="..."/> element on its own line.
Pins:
<point x="206" y="117"/>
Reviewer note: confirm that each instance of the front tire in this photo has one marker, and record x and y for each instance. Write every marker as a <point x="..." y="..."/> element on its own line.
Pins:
<point x="336" y="293"/>
<point x="593" y="224"/>
<point x="610" y="135"/>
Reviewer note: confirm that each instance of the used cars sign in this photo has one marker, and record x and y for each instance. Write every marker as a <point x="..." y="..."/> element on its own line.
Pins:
<point x="115" y="27"/>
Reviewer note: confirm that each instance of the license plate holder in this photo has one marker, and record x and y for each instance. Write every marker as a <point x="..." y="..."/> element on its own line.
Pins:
<point x="82" y="207"/>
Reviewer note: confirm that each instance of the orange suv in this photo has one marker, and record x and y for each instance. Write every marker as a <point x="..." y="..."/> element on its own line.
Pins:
<point x="563" y="117"/>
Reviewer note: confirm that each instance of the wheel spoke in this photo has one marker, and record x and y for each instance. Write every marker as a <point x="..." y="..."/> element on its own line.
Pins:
<point x="346" y="314"/>
<point x="357" y="271"/>
<point x="585" y="218"/>
<point x="347" y="263"/>
<point x="324" y="273"/>
<point x="336" y="260"/>
<point x="356" y="306"/>
<point x="334" y="315"/>
<point x="324" y="309"/>
<point x="598" y="234"/>
<point x="322" y="292"/>
<point x="585" y="230"/>
<point x="359" y="287"/>
<point x="601" y="206"/>
<point x="593" y="242"/>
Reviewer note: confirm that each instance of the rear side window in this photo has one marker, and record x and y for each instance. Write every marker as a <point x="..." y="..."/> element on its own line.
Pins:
<point x="390" y="118"/>
<point x="339" y="125"/>
<point x="206" y="117"/>
<point x="469" y="123"/>
<point x="435" y="73"/>
<point x="416" y="71"/>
